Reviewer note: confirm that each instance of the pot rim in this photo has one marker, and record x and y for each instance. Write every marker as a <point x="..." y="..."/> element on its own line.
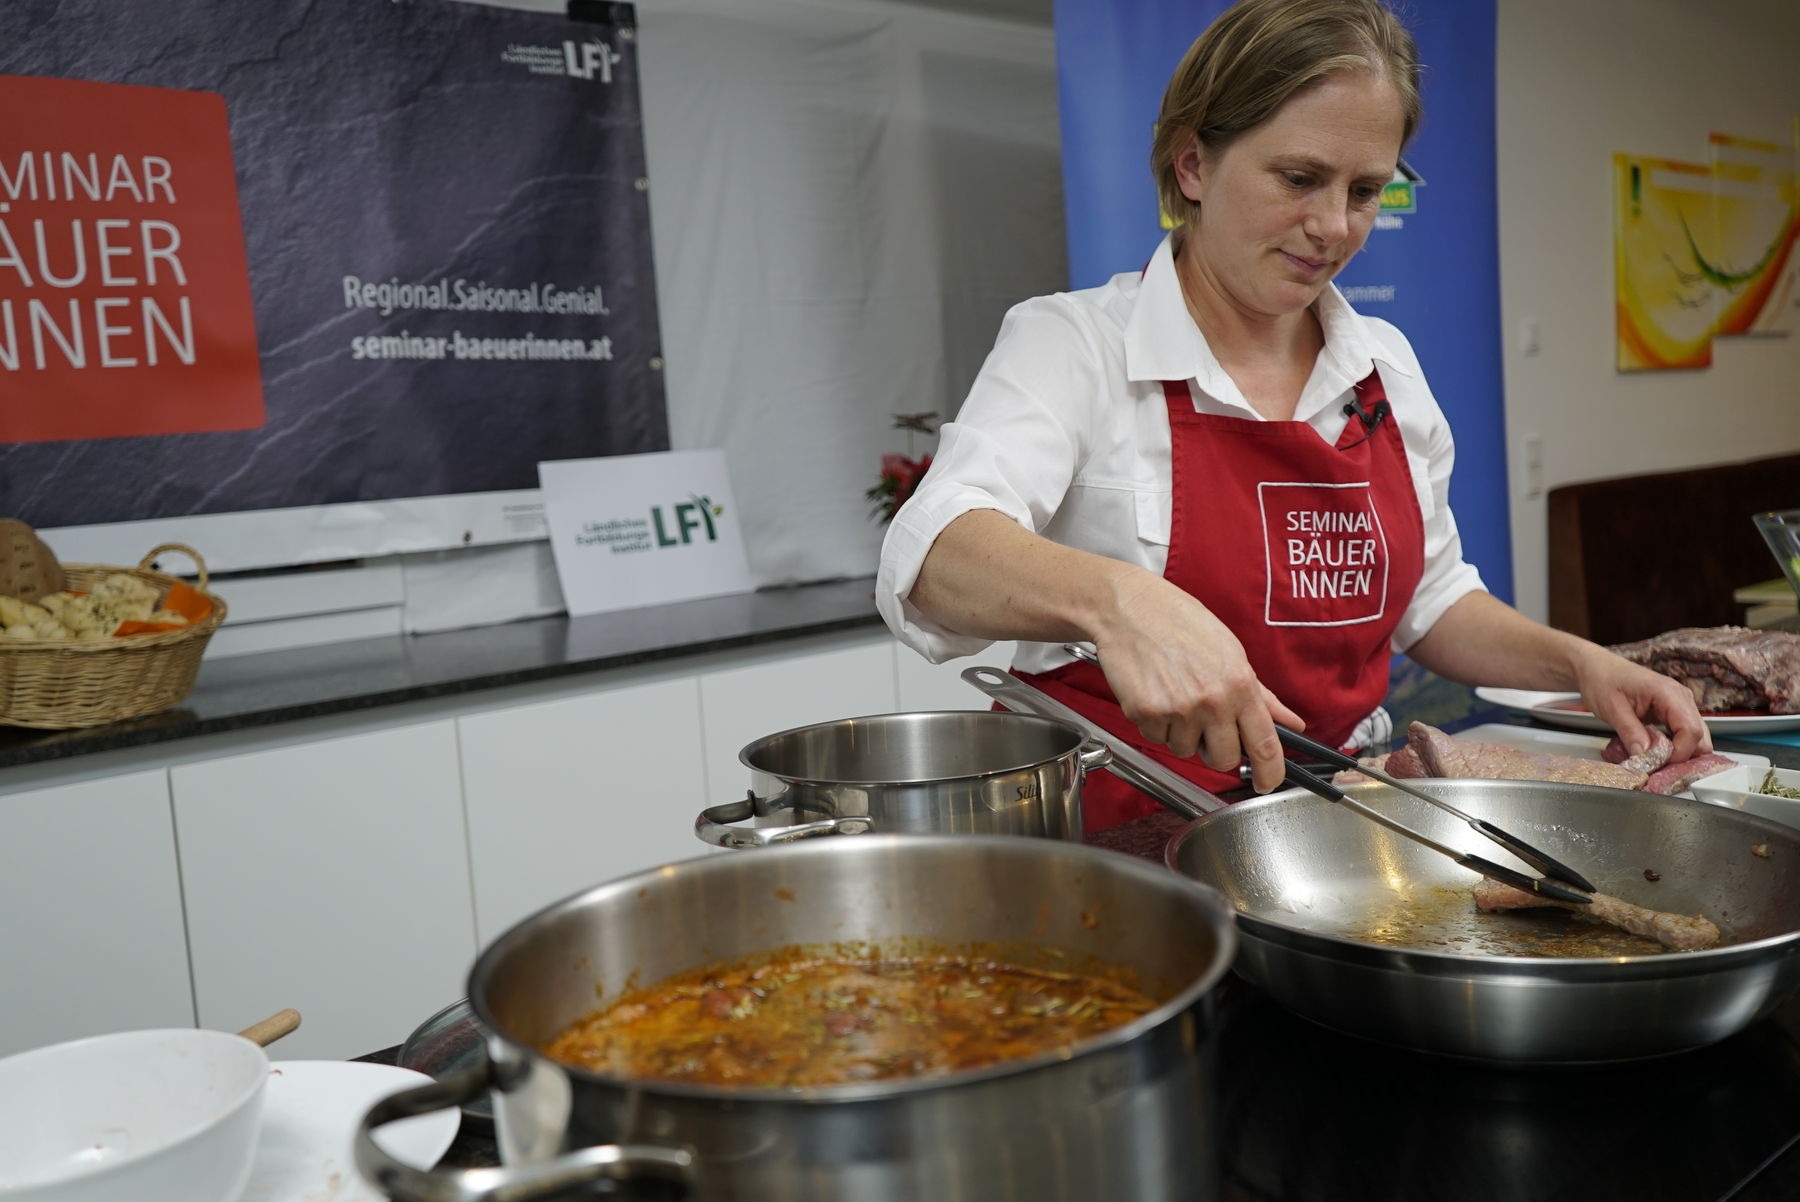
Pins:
<point x="1217" y="910"/>
<point x="1511" y="969"/>
<point x="1078" y="738"/>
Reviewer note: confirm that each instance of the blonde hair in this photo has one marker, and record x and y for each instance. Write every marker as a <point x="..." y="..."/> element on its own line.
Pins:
<point x="1256" y="57"/>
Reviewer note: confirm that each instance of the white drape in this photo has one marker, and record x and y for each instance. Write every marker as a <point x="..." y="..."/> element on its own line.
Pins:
<point x="845" y="198"/>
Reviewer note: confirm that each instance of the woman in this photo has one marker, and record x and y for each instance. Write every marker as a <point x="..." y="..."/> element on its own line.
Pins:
<point x="1217" y="472"/>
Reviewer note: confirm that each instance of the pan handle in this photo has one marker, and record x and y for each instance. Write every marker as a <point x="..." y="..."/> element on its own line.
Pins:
<point x="1128" y="763"/>
<point x="671" y="1168"/>
<point x="711" y="826"/>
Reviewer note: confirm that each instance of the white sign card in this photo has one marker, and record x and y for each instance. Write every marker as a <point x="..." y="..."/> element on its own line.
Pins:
<point x="632" y="530"/>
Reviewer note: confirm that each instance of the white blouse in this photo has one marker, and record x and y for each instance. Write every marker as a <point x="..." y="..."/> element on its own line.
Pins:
<point x="1066" y="431"/>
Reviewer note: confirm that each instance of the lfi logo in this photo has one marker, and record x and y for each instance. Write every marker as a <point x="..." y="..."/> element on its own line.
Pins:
<point x="689" y="516"/>
<point x="585" y="60"/>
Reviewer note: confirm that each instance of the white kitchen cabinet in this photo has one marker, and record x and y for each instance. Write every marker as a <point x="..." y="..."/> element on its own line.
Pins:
<point x="331" y="876"/>
<point x="570" y="793"/>
<point x="91" y="935"/>
<point x="924" y="685"/>
<point x="740" y="705"/>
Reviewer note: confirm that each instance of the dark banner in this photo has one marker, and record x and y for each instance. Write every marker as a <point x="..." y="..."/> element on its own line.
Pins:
<point x="443" y="274"/>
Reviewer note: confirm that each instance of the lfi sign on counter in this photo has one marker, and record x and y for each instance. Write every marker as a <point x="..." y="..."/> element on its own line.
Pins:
<point x="631" y="530"/>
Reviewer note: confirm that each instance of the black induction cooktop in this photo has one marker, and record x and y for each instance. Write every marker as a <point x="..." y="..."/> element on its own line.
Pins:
<point x="1312" y="1115"/>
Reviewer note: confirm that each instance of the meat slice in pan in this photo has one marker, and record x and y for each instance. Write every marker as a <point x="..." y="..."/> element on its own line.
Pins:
<point x="1680" y="931"/>
<point x="1442" y="755"/>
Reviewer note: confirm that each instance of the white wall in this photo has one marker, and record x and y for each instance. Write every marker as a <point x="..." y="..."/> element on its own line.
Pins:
<point x="846" y="198"/>
<point x="1579" y="81"/>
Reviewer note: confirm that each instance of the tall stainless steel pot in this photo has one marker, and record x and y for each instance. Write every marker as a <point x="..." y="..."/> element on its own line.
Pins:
<point x="967" y="771"/>
<point x="1124" y="1115"/>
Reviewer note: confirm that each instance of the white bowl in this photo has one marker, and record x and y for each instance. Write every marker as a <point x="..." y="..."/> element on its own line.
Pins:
<point x="1736" y="787"/>
<point x="139" y="1116"/>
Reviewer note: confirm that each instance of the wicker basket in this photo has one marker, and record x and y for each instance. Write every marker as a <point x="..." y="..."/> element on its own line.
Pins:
<point x="63" y="684"/>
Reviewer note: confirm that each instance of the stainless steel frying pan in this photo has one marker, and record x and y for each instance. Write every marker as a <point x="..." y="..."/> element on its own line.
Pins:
<point x="1362" y="930"/>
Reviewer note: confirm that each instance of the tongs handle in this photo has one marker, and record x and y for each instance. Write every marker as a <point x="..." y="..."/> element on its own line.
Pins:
<point x="1293" y="740"/>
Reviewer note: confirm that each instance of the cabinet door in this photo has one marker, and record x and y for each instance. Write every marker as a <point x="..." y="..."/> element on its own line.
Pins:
<point x="928" y="686"/>
<point x="570" y="793"/>
<point x="90" y="912"/>
<point x="742" y="704"/>
<point x="332" y="877"/>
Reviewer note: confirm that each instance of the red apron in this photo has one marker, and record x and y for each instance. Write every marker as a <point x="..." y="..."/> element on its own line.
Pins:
<point x="1309" y="552"/>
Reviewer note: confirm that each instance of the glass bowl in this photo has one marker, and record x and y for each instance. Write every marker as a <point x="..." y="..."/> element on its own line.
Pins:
<point x="1780" y="528"/>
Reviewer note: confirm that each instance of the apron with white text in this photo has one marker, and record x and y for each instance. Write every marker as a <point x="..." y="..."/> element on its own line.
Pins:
<point x="1308" y="551"/>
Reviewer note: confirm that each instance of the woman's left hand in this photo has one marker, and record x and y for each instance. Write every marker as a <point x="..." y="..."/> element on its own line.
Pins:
<point x="1626" y="696"/>
<point x="1482" y="640"/>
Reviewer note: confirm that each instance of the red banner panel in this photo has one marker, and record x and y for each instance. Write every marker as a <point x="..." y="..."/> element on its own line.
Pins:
<point x="124" y="292"/>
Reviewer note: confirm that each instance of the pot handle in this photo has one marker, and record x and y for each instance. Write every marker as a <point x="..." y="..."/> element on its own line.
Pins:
<point x="711" y="826"/>
<point x="1128" y="763"/>
<point x="1094" y="754"/>
<point x="671" y="1168"/>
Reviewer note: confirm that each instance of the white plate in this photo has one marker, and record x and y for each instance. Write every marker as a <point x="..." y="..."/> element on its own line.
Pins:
<point x="1735" y="787"/>
<point x="310" y="1113"/>
<point x="1586" y="747"/>
<point x="1554" y="708"/>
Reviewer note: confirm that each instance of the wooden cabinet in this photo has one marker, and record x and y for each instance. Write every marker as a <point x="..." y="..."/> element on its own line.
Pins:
<point x="570" y="793"/>
<point x="331" y="876"/>
<point x="90" y="912"/>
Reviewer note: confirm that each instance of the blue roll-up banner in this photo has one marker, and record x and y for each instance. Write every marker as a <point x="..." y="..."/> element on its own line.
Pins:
<point x="1432" y="265"/>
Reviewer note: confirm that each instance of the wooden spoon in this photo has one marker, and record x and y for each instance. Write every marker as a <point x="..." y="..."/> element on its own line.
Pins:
<point x="270" y="1029"/>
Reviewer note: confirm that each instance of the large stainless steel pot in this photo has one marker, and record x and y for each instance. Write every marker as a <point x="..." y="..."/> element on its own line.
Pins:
<point x="1125" y="1115"/>
<point x="967" y="771"/>
<point x="1365" y="931"/>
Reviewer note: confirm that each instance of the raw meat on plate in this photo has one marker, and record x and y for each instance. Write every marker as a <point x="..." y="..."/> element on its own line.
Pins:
<point x="1648" y="760"/>
<point x="1430" y="752"/>
<point x="1727" y="667"/>
<point x="1444" y="755"/>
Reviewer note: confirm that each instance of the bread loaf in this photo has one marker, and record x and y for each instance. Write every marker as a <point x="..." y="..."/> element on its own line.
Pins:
<point x="29" y="570"/>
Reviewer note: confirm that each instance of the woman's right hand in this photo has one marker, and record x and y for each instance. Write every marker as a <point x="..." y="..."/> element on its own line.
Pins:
<point x="1182" y="677"/>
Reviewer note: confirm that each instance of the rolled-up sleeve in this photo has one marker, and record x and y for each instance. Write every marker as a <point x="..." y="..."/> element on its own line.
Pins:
<point x="1013" y="448"/>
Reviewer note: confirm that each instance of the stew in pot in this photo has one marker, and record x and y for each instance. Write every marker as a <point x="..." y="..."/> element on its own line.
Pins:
<point x="809" y="1022"/>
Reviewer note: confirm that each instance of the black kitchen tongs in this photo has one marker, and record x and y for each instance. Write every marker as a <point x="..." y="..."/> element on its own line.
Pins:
<point x="1559" y="880"/>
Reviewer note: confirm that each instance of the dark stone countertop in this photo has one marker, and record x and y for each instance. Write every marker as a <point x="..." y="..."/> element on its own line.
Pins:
<point x="240" y="692"/>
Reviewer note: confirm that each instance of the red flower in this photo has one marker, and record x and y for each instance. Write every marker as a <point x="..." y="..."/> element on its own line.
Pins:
<point x="900" y="478"/>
